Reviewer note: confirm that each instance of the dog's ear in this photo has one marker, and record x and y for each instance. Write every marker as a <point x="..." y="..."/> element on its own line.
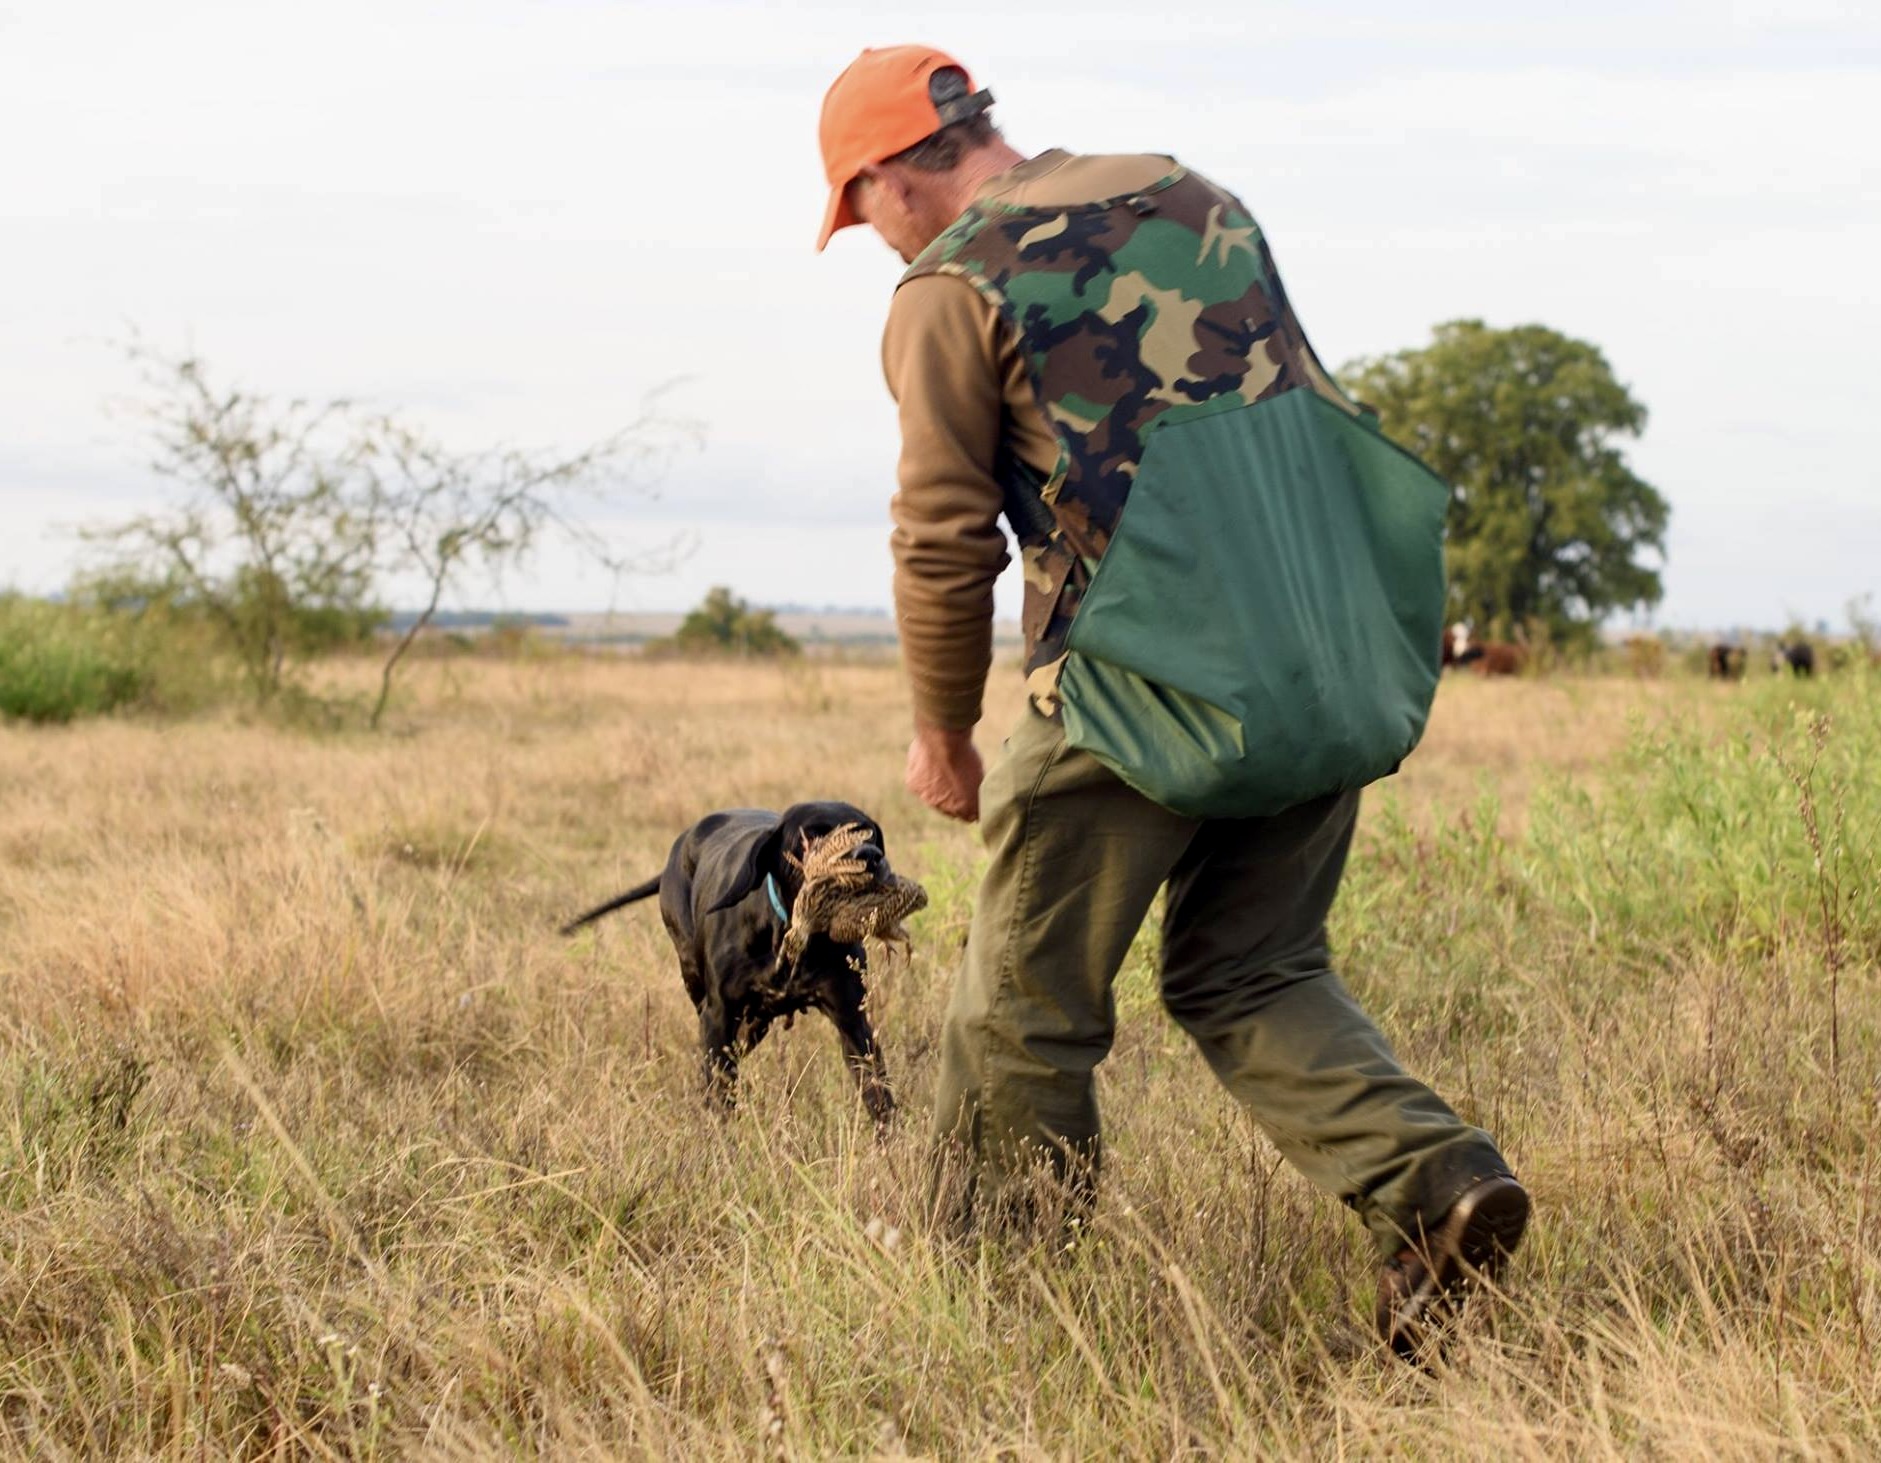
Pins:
<point x="765" y="858"/>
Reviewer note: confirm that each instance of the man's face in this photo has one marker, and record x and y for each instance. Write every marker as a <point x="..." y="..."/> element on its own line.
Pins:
<point x="908" y="207"/>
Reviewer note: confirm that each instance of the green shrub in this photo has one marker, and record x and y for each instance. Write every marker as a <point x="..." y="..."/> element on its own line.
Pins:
<point x="56" y="665"/>
<point x="63" y="661"/>
<point x="724" y="624"/>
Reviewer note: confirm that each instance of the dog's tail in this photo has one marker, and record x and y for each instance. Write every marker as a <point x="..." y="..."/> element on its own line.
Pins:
<point x="639" y="891"/>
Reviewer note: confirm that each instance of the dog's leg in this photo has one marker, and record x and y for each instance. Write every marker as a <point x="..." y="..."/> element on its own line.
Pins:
<point x="725" y="1038"/>
<point x="864" y="1058"/>
<point x="719" y="1056"/>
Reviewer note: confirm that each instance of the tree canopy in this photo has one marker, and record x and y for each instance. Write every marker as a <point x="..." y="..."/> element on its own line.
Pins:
<point x="1547" y="521"/>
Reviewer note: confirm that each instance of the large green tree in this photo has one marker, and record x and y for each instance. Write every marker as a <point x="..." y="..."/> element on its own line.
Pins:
<point x="1547" y="521"/>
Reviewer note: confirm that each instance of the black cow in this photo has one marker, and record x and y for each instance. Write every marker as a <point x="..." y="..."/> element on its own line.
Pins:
<point x="1799" y="658"/>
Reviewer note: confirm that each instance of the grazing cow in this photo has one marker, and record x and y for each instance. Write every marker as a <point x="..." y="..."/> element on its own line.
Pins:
<point x="1726" y="662"/>
<point x="1489" y="657"/>
<point x="1799" y="659"/>
<point x="1496" y="658"/>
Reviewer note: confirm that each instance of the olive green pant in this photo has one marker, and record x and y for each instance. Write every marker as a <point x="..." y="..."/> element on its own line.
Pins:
<point x="1077" y="858"/>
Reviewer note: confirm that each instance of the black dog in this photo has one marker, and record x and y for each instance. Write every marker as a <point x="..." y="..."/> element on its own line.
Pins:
<point x="726" y="895"/>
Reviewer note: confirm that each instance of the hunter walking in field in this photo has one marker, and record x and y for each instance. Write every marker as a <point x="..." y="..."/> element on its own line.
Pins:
<point x="1212" y="676"/>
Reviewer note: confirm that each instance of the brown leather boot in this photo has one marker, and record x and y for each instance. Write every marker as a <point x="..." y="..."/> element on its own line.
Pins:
<point x="1422" y="1283"/>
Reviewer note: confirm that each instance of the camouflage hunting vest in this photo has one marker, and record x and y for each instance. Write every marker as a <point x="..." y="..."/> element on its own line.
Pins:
<point x="1131" y="313"/>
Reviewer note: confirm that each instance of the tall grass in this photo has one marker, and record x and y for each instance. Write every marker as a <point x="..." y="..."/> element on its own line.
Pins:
<point x="314" y="1141"/>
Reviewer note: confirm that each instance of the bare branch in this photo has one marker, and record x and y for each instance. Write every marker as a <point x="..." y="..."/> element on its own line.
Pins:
<point x="294" y="514"/>
<point x="459" y="513"/>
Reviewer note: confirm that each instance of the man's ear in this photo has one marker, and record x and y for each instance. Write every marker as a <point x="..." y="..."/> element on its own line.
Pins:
<point x="765" y="858"/>
<point x="886" y="180"/>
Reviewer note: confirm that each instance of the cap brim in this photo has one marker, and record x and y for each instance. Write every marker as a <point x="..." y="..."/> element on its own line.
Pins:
<point x="839" y="215"/>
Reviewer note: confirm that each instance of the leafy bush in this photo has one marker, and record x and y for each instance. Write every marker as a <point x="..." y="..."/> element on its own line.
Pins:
<point x="725" y="624"/>
<point x="1645" y="656"/>
<point x="63" y="661"/>
<point x="56" y="666"/>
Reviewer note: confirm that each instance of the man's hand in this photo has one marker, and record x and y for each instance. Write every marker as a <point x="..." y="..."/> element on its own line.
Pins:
<point x="945" y="772"/>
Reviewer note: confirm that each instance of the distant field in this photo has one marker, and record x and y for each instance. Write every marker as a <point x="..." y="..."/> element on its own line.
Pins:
<point x="315" y="1140"/>
<point x="847" y="629"/>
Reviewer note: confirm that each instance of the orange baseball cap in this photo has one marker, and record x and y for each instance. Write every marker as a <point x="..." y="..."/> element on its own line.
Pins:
<point x="880" y="105"/>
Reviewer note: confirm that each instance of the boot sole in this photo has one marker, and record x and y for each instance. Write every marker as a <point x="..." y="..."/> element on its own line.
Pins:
<point x="1479" y="1233"/>
<point x="1483" y="1229"/>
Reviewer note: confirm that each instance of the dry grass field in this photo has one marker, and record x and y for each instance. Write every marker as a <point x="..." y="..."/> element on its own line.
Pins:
<point x="315" y="1140"/>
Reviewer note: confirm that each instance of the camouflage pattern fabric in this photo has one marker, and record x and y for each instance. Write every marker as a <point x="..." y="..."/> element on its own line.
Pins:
<point x="1155" y="307"/>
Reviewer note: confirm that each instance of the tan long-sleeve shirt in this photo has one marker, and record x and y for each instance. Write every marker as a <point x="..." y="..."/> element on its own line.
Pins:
<point x="954" y="369"/>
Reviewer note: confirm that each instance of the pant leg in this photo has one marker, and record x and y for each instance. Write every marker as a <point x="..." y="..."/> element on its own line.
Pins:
<point x="1076" y="860"/>
<point x="1247" y="972"/>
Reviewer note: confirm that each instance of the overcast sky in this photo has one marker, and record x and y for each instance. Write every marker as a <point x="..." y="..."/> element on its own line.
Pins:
<point x="513" y="220"/>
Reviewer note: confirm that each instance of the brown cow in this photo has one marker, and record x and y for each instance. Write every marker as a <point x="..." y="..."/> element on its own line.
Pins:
<point x="1726" y="662"/>
<point x="1489" y="657"/>
<point x="1497" y="658"/>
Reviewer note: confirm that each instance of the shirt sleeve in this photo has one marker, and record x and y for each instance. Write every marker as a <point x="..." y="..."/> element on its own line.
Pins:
<point x="941" y="353"/>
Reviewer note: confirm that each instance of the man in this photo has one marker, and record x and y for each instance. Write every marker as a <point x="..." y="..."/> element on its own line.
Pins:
<point x="1060" y="317"/>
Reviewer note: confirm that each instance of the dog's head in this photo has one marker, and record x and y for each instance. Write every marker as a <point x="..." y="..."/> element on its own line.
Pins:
<point x="802" y="824"/>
